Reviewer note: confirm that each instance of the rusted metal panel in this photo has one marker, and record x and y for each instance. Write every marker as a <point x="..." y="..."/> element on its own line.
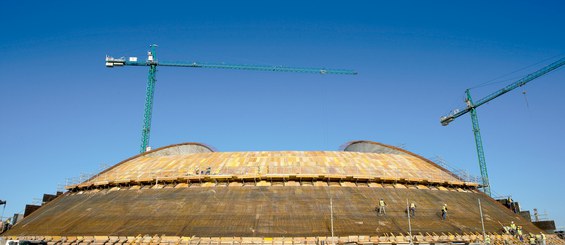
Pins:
<point x="270" y="211"/>
<point x="303" y="165"/>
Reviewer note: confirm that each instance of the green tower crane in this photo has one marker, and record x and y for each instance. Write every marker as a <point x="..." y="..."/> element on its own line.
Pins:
<point x="472" y="108"/>
<point x="152" y="62"/>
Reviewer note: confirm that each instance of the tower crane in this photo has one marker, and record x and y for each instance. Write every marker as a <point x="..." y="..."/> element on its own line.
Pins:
<point x="152" y="63"/>
<point x="472" y="108"/>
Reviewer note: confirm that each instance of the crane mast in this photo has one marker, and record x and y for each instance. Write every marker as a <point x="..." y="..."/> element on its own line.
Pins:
<point x="149" y="95"/>
<point x="152" y="62"/>
<point x="472" y="108"/>
<point x="479" y="144"/>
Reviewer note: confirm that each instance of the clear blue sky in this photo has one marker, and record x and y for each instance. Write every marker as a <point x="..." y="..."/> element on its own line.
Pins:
<point x="63" y="113"/>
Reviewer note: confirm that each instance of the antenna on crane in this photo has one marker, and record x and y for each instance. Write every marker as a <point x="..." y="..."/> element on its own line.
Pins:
<point x="472" y="108"/>
<point x="153" y="62"/>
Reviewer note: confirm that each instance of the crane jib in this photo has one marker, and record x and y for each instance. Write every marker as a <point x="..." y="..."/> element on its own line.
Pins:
<point x="153" y="62"/>
<point x="121" y="62"/>
<point x="523" y="81"/>
<point x="471" y="107"/>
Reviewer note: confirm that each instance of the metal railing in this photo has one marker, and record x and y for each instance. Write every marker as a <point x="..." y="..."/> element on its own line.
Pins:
<point x="156" y="174"/>
<point x="461" y="174"/>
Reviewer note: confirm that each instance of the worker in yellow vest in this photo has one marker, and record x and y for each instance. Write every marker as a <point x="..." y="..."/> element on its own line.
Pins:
<point x="520" y="235"/>
<point x="542" y="238"/>
<point x="512" y="228"/>
<point x="444" y="211"/>
<point x="382" y="206"/>
<point x="412" y="209"/>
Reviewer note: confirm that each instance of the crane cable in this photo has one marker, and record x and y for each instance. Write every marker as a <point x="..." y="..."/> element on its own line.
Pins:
<point x="525" y="98"/>
<point x="494" y="80"/>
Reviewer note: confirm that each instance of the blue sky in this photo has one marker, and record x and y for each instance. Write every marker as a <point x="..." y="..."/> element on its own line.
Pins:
<point x="64" y="113"/>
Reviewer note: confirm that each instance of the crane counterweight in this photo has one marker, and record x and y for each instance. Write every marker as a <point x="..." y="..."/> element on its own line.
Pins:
<point x="445" y="120"/>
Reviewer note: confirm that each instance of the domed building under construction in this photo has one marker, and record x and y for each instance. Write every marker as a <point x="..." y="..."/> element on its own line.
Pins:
<point x="190" y="194"/>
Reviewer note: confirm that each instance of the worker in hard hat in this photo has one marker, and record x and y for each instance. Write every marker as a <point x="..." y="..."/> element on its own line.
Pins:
<point x="512" y="228"/>
<point x="519" y="233"/>
<point x="444" y="211"/>
<point x="509" y="203"/>
<point x="412" y="209"/>
<point x="542" y="238"/>
<point x="381" y="207"/>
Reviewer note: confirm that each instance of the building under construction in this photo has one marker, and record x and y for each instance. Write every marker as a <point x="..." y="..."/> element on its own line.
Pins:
<point x="190" y="194"/>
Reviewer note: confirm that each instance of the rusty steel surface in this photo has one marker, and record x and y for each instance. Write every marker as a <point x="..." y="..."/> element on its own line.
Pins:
<point x="175" y="149"/>
<point x="337" y="163"/>
<point x="188" y="190"/>
<point x="254" y="211"/>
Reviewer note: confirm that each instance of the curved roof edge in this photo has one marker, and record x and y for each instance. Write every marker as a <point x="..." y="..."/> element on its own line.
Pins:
<point x="368" y="146"/>
<point x="181" y="149"/>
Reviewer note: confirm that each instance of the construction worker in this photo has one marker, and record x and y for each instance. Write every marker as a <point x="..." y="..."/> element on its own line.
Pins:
<point x="519" y="233"/>
<point x="512" y="228"/>
<point x="509" y="202"/>
<point x="487" y="239"/>
<point x="382" y="206"/>
<point x="444" y="211"/>
<point x="412" y="209"/>
<point x="542" y="238"/>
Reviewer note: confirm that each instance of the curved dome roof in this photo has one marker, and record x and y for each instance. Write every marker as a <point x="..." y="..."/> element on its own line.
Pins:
<point x="361" y="158"/>
<point x="265" y="194"/>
